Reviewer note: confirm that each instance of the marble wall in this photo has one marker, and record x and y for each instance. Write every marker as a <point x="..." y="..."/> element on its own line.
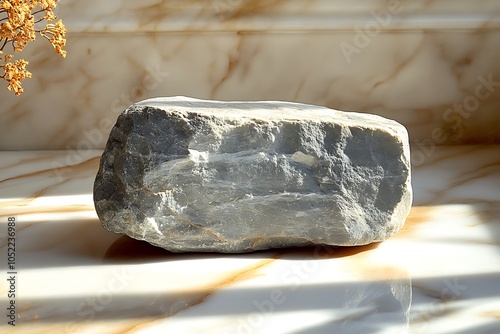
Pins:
<point x="431" y="65"/>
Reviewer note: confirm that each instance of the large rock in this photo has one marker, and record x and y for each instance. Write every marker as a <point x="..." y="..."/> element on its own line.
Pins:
<point x="193" y="175"/>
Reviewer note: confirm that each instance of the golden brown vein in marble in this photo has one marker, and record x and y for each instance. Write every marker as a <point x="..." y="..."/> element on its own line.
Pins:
<point x="199" y="296"/>
<point x="468" y="249"/>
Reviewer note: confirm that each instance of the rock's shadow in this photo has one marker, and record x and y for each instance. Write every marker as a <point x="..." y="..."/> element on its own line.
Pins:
<point x="128" y="250"/>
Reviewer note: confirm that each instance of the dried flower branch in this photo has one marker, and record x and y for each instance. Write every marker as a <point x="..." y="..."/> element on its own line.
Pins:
<point x="18" y="26"/>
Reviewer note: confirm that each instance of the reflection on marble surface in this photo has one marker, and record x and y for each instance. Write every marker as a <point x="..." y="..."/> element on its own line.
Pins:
<point x="426" y="64"/>
<point x="439" y="274"/>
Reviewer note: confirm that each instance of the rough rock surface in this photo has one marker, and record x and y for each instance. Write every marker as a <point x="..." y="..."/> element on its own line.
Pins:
<point x="193" y="175"/>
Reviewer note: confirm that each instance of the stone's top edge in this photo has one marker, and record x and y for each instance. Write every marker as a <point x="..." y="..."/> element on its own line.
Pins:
<point x="263" y="110"/>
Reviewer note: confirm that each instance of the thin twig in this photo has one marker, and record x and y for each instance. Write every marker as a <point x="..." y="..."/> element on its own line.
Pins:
<point x="4" y="43"/>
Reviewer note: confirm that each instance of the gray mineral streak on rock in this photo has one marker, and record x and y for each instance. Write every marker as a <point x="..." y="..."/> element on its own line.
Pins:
<point x="192" y="175"/>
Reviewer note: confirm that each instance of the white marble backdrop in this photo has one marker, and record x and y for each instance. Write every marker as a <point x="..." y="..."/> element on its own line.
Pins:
<point x="432" y="65"/>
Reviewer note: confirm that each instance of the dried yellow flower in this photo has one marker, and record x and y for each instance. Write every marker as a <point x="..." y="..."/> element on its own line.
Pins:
<point x="49" y="15"/>
<point x="18" y="27"/>
<point x="56" y="34"/>
<point x="14" y="73"/>
<point x="48" y="4"/>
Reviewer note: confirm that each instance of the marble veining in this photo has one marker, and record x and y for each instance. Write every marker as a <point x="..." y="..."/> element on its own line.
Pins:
<point x="439" y="274"/>
<point x="274" y="15"/>
<point x="431" y="65"/>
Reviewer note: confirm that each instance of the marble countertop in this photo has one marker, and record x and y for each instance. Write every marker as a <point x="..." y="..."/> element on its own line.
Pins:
<point x="439" y="274"/>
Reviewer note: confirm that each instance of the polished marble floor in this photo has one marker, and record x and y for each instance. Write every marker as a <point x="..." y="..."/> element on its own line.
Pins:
<point x="439" y="274"/>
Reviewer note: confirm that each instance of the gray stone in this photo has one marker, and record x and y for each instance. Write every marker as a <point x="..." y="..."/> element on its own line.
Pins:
<point x="192" y="175"/>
